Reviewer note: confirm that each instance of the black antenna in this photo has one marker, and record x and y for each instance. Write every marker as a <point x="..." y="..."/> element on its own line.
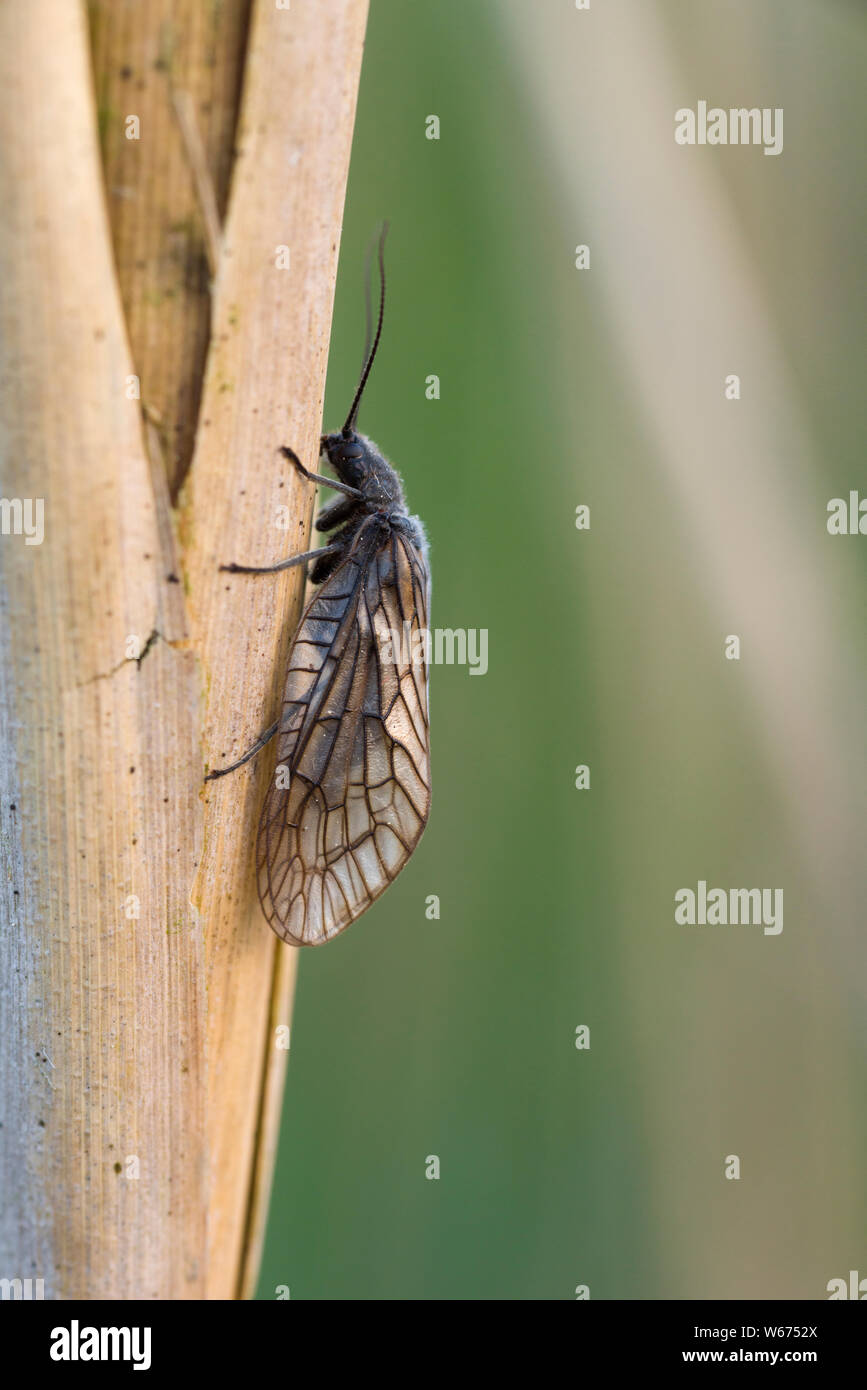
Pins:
<point x="368" y="307"/>
<point x="353" y="410"/>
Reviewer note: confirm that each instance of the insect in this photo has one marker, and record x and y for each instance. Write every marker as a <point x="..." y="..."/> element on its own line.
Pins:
<point x="352" y="794"/>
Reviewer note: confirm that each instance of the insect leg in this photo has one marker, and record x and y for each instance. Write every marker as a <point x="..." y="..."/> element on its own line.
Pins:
<point x="293" y="458"/>
<point x="283" y="564"/>
<point x="336" y="512"/>
<point x="323" y="568"/>
<point x="259" y="744"/>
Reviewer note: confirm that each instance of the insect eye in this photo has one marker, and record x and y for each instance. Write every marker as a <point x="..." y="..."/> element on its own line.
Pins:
<point x="351" y="465"/>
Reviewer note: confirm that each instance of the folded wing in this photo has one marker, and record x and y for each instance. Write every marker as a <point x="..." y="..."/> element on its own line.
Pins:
<point x="353" y="745"/>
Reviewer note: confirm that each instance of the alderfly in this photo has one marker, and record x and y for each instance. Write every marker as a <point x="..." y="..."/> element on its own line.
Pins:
<point x="352" y="791"/>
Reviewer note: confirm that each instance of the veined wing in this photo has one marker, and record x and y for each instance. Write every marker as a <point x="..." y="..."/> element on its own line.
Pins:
<point x="353" y="743"/>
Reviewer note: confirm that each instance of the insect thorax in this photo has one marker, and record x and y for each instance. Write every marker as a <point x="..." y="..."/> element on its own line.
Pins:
<point x="358" y="462"/>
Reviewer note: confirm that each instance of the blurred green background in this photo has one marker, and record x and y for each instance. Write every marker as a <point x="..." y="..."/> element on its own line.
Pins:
<point x="605" y="387"/>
